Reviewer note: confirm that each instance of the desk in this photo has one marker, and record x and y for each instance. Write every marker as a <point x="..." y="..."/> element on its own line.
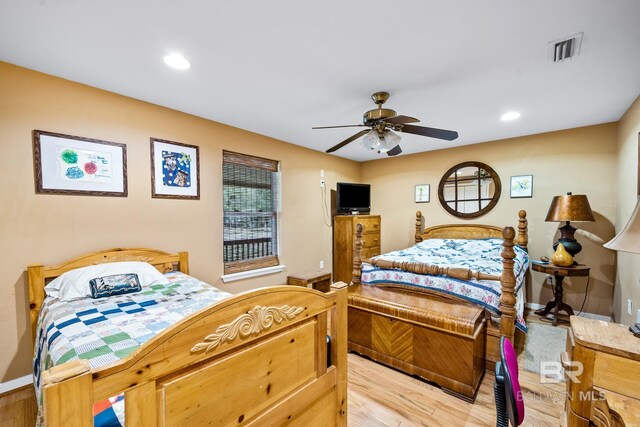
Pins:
<point x="602" y="367"/>
<point x="559" y="273"/>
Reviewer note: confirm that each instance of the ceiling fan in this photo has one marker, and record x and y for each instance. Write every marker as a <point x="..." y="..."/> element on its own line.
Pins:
<point x="382" y="122"/>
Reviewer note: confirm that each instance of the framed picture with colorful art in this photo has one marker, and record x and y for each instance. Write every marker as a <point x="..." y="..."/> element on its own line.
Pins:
<point x="67" y="164"/>
<point x="175" y="170"/>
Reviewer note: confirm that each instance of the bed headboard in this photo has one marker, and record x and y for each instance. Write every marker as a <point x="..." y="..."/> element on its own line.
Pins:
<point x="471" y="231"/>
<point x="39" y="275"/>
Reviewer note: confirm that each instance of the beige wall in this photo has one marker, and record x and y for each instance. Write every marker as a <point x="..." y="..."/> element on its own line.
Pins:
<point x="51" y="228"/>
<point x="580" y="160"/>
<point x="628" y="277"/>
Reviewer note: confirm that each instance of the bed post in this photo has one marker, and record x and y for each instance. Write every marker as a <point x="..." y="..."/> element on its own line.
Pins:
<point x="418" y="227"/>
<point x="523" y="236"/>
<point x="36" y="296"/>
<point x="357" y="257"/>
<point x="183" y="262"/>
<point x="339" y="349"/>
<point x="508" y="284"/>
<point x="68" y="395"/>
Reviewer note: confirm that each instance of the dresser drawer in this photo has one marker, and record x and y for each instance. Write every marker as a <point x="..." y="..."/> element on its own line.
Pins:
<point x="370" y="252"/>
<point x="617" y="374"/>
<point x="371" y="225"/>
<point x="370" y="240"/>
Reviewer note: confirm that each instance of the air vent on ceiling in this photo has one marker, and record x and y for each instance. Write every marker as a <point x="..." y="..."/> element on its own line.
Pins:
<point x="565" y="48"/>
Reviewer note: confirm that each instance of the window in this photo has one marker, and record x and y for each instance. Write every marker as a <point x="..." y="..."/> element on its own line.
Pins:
<point x="251" y="204"/>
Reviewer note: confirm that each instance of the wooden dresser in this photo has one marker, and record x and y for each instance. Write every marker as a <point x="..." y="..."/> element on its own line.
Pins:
<point x="344" y="234"/>
<point x="602" y="371"/>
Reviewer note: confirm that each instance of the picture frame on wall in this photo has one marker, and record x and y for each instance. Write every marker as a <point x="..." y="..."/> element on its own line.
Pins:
<point x="521" y="186"/>
<point x="175" y="170"/>
<point x="75" y="165"/>
<point x="422" y="193"/>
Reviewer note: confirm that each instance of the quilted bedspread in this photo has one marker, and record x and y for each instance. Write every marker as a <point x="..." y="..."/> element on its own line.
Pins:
<point x="105" y="330"/>
<point x="479" y="255"/>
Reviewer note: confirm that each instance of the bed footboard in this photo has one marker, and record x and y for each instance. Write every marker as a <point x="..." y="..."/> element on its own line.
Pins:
<point x="257" y="358"/>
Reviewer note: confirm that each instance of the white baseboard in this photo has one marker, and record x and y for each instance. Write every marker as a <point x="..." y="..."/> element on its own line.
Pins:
<point x="534" y="306"/>
<point x="14" y="384"/>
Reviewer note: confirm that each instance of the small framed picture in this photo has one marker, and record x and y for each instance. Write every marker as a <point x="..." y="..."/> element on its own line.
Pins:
<point x="521" y="186"/>
<point x="175" y="170"/>
<point x="423" y="193"/>
<point x="66" y="164"/>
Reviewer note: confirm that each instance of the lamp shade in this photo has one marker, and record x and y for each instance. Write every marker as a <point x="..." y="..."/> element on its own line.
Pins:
<point x="570" y="207"/>
<point x="628" y="240"/>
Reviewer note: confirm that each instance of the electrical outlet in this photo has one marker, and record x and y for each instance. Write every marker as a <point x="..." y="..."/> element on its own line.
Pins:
<point x="549" y="280"/>
<point x="629" y="307"/>
<point x="321" y="173"/>
<point x="322" y="183"/>
<point x="322" y="266"/>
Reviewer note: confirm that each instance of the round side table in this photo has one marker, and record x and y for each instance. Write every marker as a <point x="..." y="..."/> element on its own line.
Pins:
<point x="557" y="305"/>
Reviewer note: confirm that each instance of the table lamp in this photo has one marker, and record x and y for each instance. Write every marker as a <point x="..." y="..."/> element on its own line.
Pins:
<point x="569" y="207"/>
<point x="628" y="240"/>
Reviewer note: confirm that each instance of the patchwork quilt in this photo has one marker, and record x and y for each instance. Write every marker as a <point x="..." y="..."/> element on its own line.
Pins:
<point x="105" y="330"/>
<point x="481" y="255"/>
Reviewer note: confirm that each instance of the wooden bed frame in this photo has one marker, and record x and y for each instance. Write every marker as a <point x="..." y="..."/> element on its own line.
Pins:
<point x="256" y="358"/>
<point x="448" y="324"/>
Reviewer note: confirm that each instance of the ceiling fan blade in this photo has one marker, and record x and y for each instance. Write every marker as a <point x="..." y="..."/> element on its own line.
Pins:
<point x="448" y="135"/>
<point x="348" y="140"/>
<point x="400" y="120"/>
<point x="394" y="151"/>
<point x="333" y="127"/>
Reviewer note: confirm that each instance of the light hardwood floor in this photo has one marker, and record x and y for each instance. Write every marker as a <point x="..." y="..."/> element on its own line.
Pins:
<point x="379" y="396"/>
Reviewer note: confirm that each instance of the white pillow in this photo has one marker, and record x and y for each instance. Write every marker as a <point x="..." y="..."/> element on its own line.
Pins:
<point x="75" y="283"/>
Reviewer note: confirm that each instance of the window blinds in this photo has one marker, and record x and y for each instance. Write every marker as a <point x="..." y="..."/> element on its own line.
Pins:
<point x="250" y="201"/>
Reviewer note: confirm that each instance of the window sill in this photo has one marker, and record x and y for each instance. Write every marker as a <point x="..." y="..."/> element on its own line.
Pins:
<point x="252" y="273"/>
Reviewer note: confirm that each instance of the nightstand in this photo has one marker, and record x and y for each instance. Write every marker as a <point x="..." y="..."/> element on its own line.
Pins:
<point x="557" y="305"/>
<point x="319" y="280"/>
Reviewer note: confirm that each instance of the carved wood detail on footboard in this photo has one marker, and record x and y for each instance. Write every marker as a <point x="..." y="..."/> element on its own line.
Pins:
<point x="249" y="324"/>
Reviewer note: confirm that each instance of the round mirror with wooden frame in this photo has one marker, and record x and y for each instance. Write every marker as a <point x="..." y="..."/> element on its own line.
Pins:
<point x="469" y="189"/>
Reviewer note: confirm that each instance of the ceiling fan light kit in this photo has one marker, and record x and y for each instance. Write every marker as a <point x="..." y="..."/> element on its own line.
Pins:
<point x="381" y="142"/>
<point x="382" y="122"/>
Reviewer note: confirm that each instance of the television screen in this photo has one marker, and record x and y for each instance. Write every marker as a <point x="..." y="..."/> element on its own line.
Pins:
<point x="353" y="197"/>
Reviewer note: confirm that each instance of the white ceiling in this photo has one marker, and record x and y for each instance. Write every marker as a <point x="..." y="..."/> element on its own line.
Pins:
<point x="279" y="67"/>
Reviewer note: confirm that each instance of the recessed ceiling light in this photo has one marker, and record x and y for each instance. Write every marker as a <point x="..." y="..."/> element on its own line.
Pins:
<point x="177" y="61"/>
<point x="511" y="115"/>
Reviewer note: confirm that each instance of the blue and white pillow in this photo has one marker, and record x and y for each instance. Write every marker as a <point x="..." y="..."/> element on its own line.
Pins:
<point x="116" y="284"/>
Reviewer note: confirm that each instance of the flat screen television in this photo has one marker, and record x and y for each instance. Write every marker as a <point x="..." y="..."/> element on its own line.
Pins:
<point x="353" y="198"/>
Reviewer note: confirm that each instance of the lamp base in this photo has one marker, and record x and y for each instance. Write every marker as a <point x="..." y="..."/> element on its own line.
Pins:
<point x="570" y="244"/>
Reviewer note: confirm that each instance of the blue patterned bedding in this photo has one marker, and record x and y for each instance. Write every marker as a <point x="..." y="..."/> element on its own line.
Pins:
<point x="105" y="330"/>
<point x="480" y="255"/>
